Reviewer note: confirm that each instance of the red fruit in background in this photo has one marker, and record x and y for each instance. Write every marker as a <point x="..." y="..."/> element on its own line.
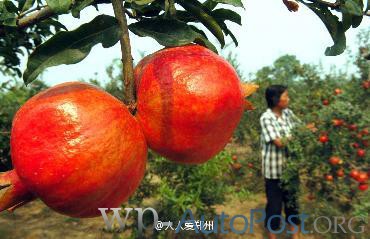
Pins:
<point x="337" y="122"/>
<point x="352" y="127"/>
<point x="361" y="153"/>
<point x="354" y="174"/>
<point x="365" y="143"/>
<point x="325" y="102"/>
<point x="189" y="101"/>
<point x="310" y="197"/>
<point x="329" y="177"/>
<point x="338" y="91"/>
<point x="250" y="165"/>
<point x="323" y="139"/>
<point x="362" y="177"/>
<point x="364" y="132"/>
<point x="355" y="145"/>
<point x="334" y="160"/>
<point x="234" y="157"/>
<point x="340" y="173"/>
<point x="77" y="148"/>
<point x="363" y="186"/>
<point x="236" y="166"/>
<point x="366" y="85"/>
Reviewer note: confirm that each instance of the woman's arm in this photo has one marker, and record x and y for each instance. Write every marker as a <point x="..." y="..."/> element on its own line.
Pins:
<point x="270" y="134"/>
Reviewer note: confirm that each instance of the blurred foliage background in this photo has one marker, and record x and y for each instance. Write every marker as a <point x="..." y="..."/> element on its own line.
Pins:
<point x="235" y="172"/>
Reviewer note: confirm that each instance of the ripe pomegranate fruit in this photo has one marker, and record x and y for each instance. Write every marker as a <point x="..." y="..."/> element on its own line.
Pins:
<point x="334" y="160"/>
<point x="365" y="143"/>
<point x="324" y="139"/>
<point x="361" y="153"/>
<point x="325" y="102"/>
<point x="189" y="101"/>
<point x="354" y="174"/>
<point x="365" y="131"/>
<point x="352" y="127"/>
<point x="337" y="122"/>
<point x="236" y="166"/>
<point x="366" y="84"/>
<point x="75" y="147"/>
<point x="362" y="177"/>
<point x="338" y="91"/>
<point x="311" y="197"/>
<point x="329" y="177"/>
<point x="363" y="186"/>
<point x="340" y="172"/>
<point x="234" y="158"/>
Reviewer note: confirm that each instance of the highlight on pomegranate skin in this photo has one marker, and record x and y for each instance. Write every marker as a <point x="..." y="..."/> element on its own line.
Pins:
<point x="189" y="102"/>
<point x="75" y="147"/>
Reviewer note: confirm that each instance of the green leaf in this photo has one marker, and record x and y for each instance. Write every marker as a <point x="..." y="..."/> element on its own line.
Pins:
<point x="77" y="8"/>
<point x="59" y="6"/>
<point x="7" y="18"/>
<point x="25" y="5"/>
<point x="227" y="14"/>
<point x="198" y="11"/>
<point x="141" y="2"/>
<point x="168" y="32"/>
<point x="72" y="47"/>
<point x="57" y="25"/>
<point x="10" y="6"/>
<point x="352" y="7"/>
<point x="236" y="3"/>
<point x="185" y="16"/>
<point x="347" y="21"/>
<point x="210" y="4"/>
<point x="356" y="20"/>
<point x="352" y="13"/>
<point x="334" y="26"/>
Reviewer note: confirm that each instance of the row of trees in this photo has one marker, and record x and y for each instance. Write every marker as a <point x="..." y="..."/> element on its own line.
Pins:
<point x="172" y="189"/>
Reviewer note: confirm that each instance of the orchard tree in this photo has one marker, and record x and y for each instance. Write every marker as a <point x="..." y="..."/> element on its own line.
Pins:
<point x="32" y="26"/>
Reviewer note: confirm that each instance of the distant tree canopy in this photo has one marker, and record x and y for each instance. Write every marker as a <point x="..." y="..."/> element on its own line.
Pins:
<point x="32" y="28"/>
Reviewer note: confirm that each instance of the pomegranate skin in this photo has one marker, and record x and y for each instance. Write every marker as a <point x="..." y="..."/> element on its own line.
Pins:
<point x="189" y="101"/>
<point x="78" y="149"/>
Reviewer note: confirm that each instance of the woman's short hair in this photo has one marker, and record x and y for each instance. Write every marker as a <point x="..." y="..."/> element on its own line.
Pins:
<point x="273" y="94"/>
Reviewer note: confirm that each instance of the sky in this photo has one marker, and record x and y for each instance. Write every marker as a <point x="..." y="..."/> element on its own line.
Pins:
<point x="268" y="31"/>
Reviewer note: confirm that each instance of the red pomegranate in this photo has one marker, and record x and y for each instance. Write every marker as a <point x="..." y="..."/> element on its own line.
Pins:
<point x="189" y="101"/>
<point x="75" y="147"/>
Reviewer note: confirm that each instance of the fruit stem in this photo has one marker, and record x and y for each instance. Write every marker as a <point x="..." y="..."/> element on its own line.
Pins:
<point x="127" y="61"/>
<point x="13" y="193"/>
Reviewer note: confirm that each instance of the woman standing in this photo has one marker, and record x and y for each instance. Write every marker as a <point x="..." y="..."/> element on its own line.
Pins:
<point x="277" y="123"/>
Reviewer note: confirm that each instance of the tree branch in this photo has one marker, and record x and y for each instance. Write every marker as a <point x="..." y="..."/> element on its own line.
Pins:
<point x="40" y="15"/>
<point x="127" y="62"/>
<point x="333" y="5"/>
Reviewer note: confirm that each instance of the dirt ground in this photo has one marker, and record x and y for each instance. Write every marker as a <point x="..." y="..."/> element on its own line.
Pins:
<point x="36" y="221"/>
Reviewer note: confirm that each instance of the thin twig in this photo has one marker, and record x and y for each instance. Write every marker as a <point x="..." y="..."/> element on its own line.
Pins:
<point x="127" y="62"/>
<point x="333" y="5"/>
<point x="31" y="10"/>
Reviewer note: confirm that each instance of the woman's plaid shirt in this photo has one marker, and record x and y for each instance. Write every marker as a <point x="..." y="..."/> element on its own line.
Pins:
<point x="273" y="127"/>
